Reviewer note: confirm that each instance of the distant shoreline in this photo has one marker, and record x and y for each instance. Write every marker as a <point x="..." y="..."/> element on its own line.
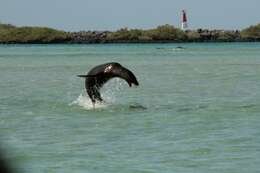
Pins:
<point x="10" y="34"/>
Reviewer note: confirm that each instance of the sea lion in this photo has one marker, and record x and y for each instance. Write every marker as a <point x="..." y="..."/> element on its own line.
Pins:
<point x="100" y="74"/>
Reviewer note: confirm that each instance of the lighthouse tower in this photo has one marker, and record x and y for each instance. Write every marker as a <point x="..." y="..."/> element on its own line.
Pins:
<point x="184" y="24"/>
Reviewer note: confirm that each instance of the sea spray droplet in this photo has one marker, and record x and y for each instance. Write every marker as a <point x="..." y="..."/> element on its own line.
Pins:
<point x="111" y="90"/>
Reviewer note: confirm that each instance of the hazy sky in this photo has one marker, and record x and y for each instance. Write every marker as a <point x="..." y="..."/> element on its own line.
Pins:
<point x="75" y="15"/>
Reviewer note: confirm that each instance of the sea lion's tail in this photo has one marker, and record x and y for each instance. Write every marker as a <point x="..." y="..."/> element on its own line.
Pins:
<point x="85" y="76"/>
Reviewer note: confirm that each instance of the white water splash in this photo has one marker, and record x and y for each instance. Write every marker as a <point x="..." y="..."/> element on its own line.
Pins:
<point x="84" y="101"/>
<point x="111" y="90"/>
<point x="108" y="92"/>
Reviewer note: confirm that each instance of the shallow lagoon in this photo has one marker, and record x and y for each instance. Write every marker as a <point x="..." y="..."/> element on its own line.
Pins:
<point x="201" y="108"/>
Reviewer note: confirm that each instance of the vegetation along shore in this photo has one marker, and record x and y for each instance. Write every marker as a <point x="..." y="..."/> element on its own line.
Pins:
<point x="10" y="34"/>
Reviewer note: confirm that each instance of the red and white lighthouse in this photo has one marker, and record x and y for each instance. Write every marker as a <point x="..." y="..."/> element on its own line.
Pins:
<point x="184" y="24"/>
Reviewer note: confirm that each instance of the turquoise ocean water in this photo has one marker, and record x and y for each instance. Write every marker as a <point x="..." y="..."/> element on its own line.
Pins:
<point x="196" y="110"/>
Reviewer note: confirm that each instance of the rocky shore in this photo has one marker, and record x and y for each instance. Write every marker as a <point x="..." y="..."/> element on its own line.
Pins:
<point x="88" y="37"/>
<point x="200" y="35"/>
<point x="161" y="34"/>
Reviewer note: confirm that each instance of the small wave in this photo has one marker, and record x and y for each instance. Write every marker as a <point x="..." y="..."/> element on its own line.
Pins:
<point x="137" y="106"/>
<point x="178" y="48"/>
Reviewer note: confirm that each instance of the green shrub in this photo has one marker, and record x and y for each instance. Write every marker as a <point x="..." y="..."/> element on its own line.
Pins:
<point x="11" y="34"/>
<point x="166" y="32"/>
<point x="251" y="33"/>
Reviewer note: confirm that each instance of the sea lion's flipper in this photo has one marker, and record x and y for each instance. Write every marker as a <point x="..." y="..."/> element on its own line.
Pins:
<point x="125" y="74"/>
